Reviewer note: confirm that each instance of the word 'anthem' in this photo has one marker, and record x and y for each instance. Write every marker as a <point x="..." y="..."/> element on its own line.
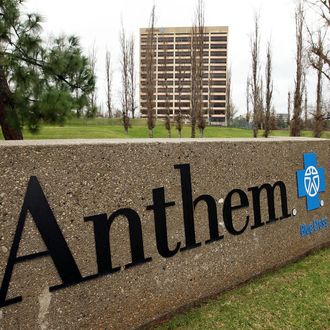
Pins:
<point x="36" y="204"/>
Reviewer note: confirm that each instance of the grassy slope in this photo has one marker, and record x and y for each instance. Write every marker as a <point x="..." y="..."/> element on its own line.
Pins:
<point x="295" y="297"/>
<point x="105" y="128"/>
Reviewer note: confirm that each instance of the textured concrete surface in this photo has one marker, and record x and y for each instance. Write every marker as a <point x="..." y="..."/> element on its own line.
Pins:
<point x="82" y="178"/>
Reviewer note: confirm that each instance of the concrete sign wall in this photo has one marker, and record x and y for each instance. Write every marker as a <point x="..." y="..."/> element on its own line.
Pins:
<point x="115" y="234"/>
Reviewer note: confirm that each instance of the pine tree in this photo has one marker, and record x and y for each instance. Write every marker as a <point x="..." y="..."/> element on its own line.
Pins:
<point x="47" y="82"/>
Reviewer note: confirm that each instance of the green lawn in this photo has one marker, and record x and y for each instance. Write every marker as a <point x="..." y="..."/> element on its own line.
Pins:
<point x="105" y="128"/>
<point x="295" y="297"/>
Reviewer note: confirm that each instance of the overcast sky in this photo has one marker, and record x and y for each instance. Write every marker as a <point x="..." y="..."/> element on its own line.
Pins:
<point x="99" y="22"/>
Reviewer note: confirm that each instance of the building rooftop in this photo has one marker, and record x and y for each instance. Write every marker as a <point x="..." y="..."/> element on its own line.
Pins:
<point x="186" y="29"/>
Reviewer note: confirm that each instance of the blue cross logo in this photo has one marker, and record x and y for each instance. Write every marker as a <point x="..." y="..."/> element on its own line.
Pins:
<point x="311" y="182"/>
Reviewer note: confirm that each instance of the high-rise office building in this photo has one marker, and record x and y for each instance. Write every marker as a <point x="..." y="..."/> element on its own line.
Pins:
<point x="172" y="59"/>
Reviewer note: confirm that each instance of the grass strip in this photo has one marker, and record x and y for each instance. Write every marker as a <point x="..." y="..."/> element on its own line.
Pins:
<point x="295" y="297"/>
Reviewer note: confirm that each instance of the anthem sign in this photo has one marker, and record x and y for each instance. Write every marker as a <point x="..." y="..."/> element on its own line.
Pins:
<point x="162" y="234"/>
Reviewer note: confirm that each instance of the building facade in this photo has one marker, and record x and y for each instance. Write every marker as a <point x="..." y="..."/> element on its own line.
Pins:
<point x="172" y="59"/>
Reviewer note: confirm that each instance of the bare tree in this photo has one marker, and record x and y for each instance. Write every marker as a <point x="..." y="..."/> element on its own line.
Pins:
<point x="124" y="59"/>
<point x="108" y="73"/>
<point x="229" y="101"/>
<point x="289" y="110"/>
<point x="295" y="126"/>
<point x="150" y="73"/>
<point x="92" y="106"/>
<point x="322" y="7"/>
<point x="197" y="47"/>
<point x="273" y="119"/>
<point x="319" y="58"/>
<point x="132" y="78"/>
<point x="306" y="109"/>
<point x="210" y="96"/>
<point x="269" y="91"/>
<point x="319" y="116"/>
<point x="305" y="92"/>
<point x="255" y="76"/>
<point x="324" y="10"/>
<point x="166" y="87"/>
<point x="201" y="122"/>
<point x="248" y="115"/>
<point x="261" y="106"/>
<point x="194" y="85"/>
<point x="181" y="79"/>
<point x="179" y="122"/>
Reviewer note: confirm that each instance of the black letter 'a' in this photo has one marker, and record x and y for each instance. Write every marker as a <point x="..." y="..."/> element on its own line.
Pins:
<point x="35" y="201"/>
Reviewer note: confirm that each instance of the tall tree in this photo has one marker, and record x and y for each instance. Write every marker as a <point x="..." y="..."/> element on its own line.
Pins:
<point x="317" y="51"/>
<point x="319" y="58"/>
<point x="197" y="47"/>
<point x="166" y="88"/>
<point x="319" y="116"/>
<point x="261" y="106"/>
<point x="210" y="98"/>
<point x="255" y="76"/>
<point x="193" y="81"/>
<point x="269" y="91"/>
<point x="306" y="109"/>
<point x="150" y="73"/>
<point x="108" y="73"/>
<point x="201" y="122"/>
<point x="295" y="126"/>
<point x="124" y="59"/>
<point x="289" y="110"/>
<point x="248" y="115"/>
<point x="273" y="125"/>
<point x="38" y="81"/>
<point x="181" y="81"/>
<point x="92" y="108"/>
<point x="230" y="106"/>
<point x="229" y="101"/>
<point x="132" y="77"/>
<point x="305" y="92"/>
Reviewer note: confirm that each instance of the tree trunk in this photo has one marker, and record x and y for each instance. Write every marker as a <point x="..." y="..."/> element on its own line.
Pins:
<point x="318" y="117"/>
<point x="295" y="126"/>
<point x="10" y="126"/>
<point x="255" y="130"/>
<point x="193" y="128"/>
